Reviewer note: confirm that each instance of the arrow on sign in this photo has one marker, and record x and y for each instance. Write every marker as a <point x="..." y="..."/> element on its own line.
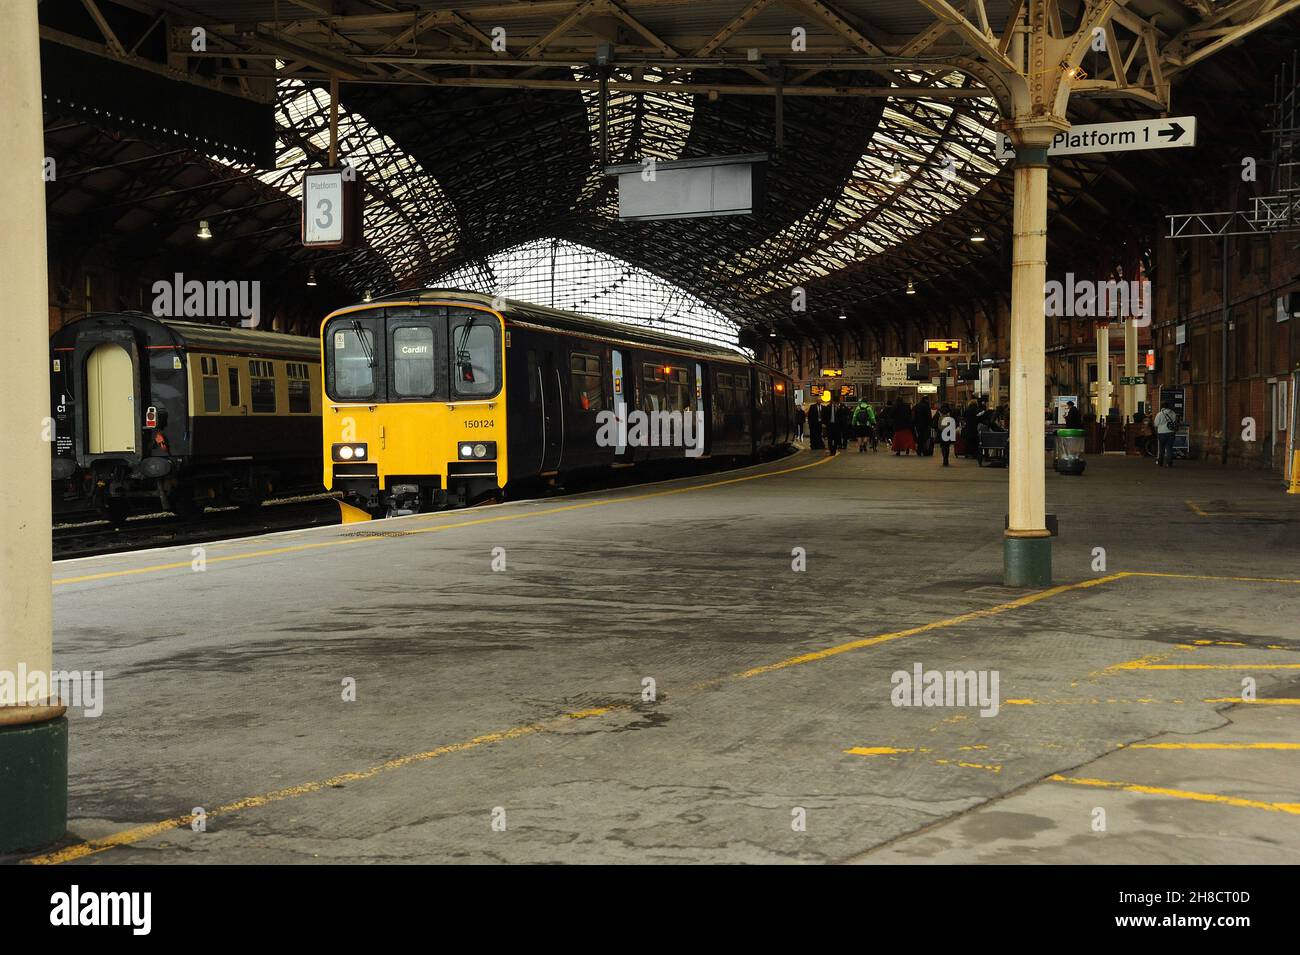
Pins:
<point x="1174" y="132"/>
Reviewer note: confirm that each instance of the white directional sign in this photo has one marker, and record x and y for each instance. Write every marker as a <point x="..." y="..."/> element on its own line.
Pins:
<point x="893" y="373"/>
<point x="860" y="370"/>
<point x="1168" y="133"/>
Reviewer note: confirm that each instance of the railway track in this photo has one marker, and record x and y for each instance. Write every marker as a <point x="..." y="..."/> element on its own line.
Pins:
<point x="87" y="538"/>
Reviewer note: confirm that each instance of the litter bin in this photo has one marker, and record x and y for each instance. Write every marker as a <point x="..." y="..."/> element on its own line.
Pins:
<point x="1067" y="457"/>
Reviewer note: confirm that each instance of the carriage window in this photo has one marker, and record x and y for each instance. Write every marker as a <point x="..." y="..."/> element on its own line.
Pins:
<point x="474" y="353"/>
<point x="353" y="359"/>
<point x="299" y="387"/>
<point x="584" y="382"/>
<point x="261" y="387"/>
<point x="233" y="376"/>
<point x="413" y="372"/>
<point x="211" y="385"/>
<point x="654" y="388"/>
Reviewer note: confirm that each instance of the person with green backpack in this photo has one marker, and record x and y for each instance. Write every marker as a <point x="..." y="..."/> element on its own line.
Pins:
<point x="864" y="424"/>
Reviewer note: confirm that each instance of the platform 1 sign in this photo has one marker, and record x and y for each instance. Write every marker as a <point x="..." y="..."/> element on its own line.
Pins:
<point x="1171" y="133"/>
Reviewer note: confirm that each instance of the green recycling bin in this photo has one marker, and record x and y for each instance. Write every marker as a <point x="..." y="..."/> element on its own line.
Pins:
<point x="1067" y="455"/>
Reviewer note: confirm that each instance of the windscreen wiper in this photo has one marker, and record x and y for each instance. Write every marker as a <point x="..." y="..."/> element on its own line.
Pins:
<point x="361" y="337"/>
<point x="463" y="362"/>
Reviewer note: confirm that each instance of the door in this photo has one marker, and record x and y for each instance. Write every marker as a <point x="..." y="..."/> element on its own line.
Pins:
<point x="110" y="400"/>
<point x="552" y="413"/>
<point x="621" y="392"/>
<point x="703" y="408"/>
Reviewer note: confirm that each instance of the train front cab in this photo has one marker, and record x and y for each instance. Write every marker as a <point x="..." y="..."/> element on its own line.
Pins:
<point x="414" y="405"/>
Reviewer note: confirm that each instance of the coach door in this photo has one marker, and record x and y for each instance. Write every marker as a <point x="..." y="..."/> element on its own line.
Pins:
<point x="552" y="413"/>
<point x="621" y="389"/>
<point x="110" y="399"/>
<point x="702" y="408"/>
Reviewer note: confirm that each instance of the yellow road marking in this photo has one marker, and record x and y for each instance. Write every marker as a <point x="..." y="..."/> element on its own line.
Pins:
<point x="936" y="625"/>
<point x="880" y="751"/>
<point x="1280" y="701"/>
<point x="334" y="542"/>
<point x="1287" y="807"/>
<point x="128" y="836"/>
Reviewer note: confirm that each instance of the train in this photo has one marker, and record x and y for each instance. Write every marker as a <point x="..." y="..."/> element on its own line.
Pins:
<point x="152" y="414"/>
<point x="439" y="398"/>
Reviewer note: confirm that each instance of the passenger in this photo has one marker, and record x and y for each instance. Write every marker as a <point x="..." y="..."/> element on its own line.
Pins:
<point x="1166" y="425"/>
<point x="846" y="425"/>
<point x="904" y="440"/>
<point x="864" y="425"/>
<point x="834" y="423"/>
<point x="800" y="416"/>
<point x="921" y="423"/>
<point x="970" y="433"/>
<point x="814" y="426"/>
<point x="947" y="431"/>
<point x="1073" y="418"/>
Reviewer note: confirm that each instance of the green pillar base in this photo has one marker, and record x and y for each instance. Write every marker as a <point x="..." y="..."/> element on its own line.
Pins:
<point x="33" y="784"/>
<point x="1027" y="561"/>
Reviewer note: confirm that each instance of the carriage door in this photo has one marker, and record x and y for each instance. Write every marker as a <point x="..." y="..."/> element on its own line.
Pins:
<point x="552" y="413"/>
<point x="621" y="389"/>
<point x="703" y="408"/>
<point x="110" y="399"/>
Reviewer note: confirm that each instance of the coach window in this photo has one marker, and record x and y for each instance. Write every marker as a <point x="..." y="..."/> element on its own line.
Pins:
<point x="475" y="353"/>
<point x="654" y="388"/>
<point x="211" y="385"/>
<point x="299" y="387"/>
<point x="261" y="386"/>
<point x="413" y="365"/>
<point x="584" y="382"/>
<point x="232" y="376"/>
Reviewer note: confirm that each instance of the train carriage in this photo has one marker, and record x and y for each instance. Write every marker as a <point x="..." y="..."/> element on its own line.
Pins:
<point x="439" y="398"/>
<point x="152" y="414"/>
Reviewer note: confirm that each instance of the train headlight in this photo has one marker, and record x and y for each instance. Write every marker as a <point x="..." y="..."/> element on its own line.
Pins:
<point x="349" y="452"/>
<point x="476" y="450"/>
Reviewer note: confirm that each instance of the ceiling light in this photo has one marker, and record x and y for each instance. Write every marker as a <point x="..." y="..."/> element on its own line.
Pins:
<point x="897" y="175"/>
<point x="911" y="289"/>
<point x="204" y="232"/>
<point x="366" y="297"/>
<point x="311" y="277"/>
<point x="977" y="234"/>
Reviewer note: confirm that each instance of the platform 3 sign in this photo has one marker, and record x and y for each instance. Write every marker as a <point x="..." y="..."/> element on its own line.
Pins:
<point x="1171" y="133"/>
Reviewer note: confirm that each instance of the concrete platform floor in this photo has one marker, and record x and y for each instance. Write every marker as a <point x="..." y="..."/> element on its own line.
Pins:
<point x="499" y="714"/>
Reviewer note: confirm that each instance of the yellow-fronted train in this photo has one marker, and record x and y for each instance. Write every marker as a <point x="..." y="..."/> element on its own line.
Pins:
<point x="154" y="414"/>
<point x="441" y="398"/>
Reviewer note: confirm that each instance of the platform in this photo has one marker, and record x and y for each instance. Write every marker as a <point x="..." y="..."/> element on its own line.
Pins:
<point x="481" y="690"/>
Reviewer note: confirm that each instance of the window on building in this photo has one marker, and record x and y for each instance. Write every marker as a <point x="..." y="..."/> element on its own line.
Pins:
<point x="585" y="391"/>
<point x="261" y="386"/>
<point x="232" y="376"/>
<point x="299" y="378"/>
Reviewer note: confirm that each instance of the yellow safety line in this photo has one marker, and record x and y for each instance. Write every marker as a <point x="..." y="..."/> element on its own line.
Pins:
<point x="333" y="542"/>
<point x="1287" y="807"/>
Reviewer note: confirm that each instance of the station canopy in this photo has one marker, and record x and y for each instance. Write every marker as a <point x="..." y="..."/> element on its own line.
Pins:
<point x="487" y="126"/>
